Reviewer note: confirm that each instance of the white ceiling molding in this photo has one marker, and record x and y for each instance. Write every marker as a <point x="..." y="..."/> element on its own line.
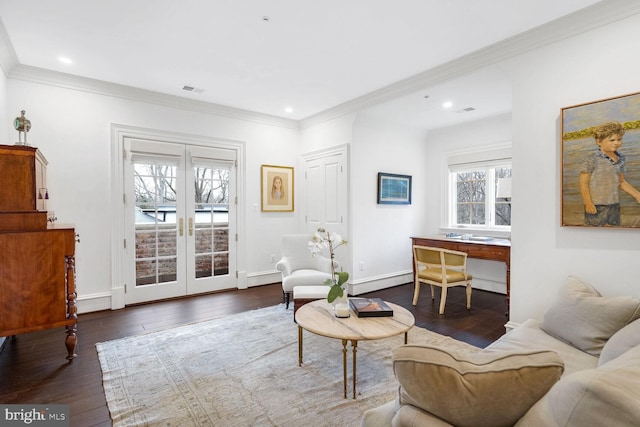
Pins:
<point x="68" y="81"/>
<point x="592" y="17"/>
<point x="8" y="57"/>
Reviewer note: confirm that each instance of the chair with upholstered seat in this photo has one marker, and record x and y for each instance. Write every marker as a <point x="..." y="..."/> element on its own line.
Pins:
<point x="299" y="267"/>
<point x="440" y="267"/>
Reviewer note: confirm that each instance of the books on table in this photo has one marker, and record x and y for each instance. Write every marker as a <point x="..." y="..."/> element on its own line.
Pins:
<point x="370" y="307"/>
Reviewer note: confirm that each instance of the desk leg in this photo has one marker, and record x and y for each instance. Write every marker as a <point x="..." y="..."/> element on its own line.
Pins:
<point x="344" y="366"/>
<point x="299" y="346"/>
<point x="354" y="344"/>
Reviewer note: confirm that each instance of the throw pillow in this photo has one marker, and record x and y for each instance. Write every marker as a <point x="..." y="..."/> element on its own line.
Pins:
<point x="585" y="319"/>
<point x="474" y="389"/>
<point x="623" y="340"/>
<point x="604" y="396"/>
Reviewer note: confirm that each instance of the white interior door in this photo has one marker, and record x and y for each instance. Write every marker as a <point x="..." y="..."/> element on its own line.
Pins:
<point x="179" y="222"/>
<point x="326" y="195"/>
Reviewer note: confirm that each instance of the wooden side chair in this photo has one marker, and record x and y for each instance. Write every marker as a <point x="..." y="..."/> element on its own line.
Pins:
<point x="440" y="267"/>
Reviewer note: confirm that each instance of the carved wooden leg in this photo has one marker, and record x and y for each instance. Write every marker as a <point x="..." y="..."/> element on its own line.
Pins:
<point x="72" y="310"/>
<point x="71" y="342"/>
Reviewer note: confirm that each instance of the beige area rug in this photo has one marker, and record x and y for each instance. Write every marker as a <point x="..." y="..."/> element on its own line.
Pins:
<point x="243" y="370"/>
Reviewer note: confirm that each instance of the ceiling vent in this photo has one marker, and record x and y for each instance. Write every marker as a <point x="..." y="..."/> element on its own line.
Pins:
<point x="192" y="89"/>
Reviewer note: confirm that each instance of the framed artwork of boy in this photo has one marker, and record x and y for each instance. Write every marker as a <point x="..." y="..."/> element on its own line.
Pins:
<point x="276" y="188"/>
<point x="601" y="163"/>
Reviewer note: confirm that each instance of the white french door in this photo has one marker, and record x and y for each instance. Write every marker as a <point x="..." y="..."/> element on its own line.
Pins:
<point x="179" y="219"/>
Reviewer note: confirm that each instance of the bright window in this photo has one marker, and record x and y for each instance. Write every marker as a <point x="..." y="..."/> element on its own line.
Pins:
<point x="480" y="196"/>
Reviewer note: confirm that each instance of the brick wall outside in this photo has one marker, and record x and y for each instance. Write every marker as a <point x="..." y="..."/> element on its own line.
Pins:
<point x="166" y="244"/>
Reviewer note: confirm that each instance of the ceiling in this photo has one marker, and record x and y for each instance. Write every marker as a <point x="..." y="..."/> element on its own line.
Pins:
<point x="268" y="55"/>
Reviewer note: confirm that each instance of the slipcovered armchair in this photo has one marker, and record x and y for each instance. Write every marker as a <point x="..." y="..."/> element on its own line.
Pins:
<point x="299" y="267"/>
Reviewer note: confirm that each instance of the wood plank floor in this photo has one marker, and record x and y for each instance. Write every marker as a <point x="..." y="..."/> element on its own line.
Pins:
<point x="33" y="369"/>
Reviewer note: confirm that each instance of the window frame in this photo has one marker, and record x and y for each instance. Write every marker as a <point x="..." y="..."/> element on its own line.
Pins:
<point x="488" y="159"/>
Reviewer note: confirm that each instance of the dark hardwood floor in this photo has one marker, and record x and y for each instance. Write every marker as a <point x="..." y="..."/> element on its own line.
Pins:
<point x="33" y="369"/>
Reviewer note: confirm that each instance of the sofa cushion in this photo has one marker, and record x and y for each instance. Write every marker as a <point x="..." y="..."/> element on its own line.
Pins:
<point x="623" y="340"/>
<point x="529" y="336"/>
<point x="605" y="396"/>
<point x="582" y="317"/>
<point x="474" y="389"/>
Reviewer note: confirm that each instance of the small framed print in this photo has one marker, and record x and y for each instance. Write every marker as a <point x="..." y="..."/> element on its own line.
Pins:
<point x="277" y="188"/>
<point x="394" y="189"/>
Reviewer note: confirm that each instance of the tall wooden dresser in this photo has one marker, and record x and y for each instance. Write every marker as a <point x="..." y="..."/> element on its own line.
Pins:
<point x="37" y="258"/>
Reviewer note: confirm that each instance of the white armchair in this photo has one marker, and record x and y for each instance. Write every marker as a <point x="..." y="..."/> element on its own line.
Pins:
<point x="299" y="267"/>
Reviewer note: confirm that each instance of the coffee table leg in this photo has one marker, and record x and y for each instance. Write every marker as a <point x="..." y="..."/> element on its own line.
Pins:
<point x="344" y="366"/>
<point x="354" y="344"/>
<point x="299" y="346"/>
<point x="406" y="334"/>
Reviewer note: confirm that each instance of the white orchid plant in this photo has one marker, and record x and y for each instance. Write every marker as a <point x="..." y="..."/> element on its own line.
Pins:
<point x="322" y="240"/>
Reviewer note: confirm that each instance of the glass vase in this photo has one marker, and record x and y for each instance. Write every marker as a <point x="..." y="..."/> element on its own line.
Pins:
<point x="341" y="306"/>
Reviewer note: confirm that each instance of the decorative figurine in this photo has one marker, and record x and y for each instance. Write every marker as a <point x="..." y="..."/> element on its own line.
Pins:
<point x="22" y="125"/>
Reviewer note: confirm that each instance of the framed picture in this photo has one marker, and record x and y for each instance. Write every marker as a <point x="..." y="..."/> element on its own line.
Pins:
<point x="601" y="163"/>
<point x="277" y="188"/>
<point x="394" y="189"/>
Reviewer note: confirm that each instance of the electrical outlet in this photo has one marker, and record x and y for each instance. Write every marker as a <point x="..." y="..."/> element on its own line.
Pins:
<point x="361" y="265"/>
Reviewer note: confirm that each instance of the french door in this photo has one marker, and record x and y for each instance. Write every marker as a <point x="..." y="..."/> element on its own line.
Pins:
<point x="179" y="219"/>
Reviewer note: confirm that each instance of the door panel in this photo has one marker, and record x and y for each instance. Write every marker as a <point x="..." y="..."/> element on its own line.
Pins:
<point x="326" y="196"/>
<point x="180" y="220"/>
<point x="211" y="244"/>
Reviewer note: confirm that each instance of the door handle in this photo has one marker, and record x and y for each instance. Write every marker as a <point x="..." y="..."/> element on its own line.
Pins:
<point x="190" y="226"/>
<point x="181" y="226"/>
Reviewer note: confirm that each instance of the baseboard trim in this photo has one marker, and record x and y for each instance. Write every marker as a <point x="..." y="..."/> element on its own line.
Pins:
<point x="94" y="302"/>
<point x="376" y="283"/>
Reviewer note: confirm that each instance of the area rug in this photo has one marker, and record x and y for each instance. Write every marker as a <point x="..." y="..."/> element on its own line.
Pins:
<point x="243" y="370"/>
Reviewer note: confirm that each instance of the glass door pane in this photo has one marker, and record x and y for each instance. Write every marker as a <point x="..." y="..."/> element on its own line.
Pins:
<point x="211" y="217"/>
<point x="156" y="227"/>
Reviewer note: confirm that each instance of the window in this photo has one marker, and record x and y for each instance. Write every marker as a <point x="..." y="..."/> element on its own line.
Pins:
<point x="479" y="195"/>
<point x="477" y="200"/>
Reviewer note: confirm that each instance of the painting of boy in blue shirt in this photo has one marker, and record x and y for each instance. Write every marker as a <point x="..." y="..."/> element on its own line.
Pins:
<point x="602" y="178"/>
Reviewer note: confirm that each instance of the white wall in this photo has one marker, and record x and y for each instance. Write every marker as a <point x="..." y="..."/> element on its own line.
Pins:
<point x="381" y="246"/>
<point x="488" y="275"/>
<point x="72" y="129"/>
<point x="379" y="235"/>
<point x="595" y="65"/>
<point x="6" y="122"/>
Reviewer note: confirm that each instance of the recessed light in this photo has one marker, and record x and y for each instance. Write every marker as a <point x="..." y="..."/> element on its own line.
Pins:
<point x="65" y="60"/>
<point x="447" y="104"/>
<point x="288" y="110"/>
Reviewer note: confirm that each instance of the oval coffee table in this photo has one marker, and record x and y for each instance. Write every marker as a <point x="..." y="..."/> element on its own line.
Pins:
<point x="317" y="317"/>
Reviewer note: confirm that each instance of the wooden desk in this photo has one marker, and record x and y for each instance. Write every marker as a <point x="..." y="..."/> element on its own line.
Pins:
<point x="495" y="250"/>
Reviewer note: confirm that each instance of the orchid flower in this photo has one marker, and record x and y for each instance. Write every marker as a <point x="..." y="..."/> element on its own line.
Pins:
<point x="320" y="241"/>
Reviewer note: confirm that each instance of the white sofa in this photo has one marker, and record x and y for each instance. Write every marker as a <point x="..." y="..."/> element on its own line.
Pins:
<point x="578" y="366"/>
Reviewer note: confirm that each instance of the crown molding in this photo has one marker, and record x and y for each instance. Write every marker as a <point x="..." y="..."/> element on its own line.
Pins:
<point x="590" y="18"/>
<point x="8" y="57"/>
<point x="84" y="84"/>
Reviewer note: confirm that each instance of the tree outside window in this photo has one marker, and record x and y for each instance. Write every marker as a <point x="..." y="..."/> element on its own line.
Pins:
<point x="474" y="193"/>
